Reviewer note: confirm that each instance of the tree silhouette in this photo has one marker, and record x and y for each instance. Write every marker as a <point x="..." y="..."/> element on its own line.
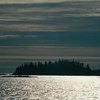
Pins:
<point x="60" y="67"/>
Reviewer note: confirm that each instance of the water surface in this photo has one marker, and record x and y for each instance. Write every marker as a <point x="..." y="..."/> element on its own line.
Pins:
<point x="50" y="88"/>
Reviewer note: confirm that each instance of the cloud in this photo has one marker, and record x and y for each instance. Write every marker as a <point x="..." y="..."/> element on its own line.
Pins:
<point x="33" y="27"/>
<point x="8" y="36"/>
<point x="31" y="36"/>
<point x="11" y="36"/>
<point x="50" y="50"/>
<point x="63" y="16"/>
<point x="29" y="1"/>
<point x="39" y="1"/>
<point x="17" y="55"/>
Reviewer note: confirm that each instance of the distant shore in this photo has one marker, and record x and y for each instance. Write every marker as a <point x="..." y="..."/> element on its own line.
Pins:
<point x="60" y="67"/>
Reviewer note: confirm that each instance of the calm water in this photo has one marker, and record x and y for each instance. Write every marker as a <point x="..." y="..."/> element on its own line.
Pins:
<point x="50" y="88"/>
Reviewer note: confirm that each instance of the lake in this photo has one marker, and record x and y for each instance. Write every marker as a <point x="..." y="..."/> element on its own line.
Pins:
<point x="50" y="88"/>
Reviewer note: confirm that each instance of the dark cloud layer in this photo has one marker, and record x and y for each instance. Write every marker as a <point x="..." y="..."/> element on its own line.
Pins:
<point x="64" y="16"/>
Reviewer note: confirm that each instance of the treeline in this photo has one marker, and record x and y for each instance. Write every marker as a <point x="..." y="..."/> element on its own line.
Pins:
<point x="60" y="67"/>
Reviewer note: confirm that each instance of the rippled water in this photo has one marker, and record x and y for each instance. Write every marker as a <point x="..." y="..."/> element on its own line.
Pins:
<point x="50" y="88"/>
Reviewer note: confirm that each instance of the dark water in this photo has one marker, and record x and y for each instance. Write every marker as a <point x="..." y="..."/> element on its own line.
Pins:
<point x="50" y="88"/>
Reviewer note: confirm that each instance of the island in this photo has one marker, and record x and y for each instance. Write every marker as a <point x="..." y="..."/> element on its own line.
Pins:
<point x="60" y="67"/>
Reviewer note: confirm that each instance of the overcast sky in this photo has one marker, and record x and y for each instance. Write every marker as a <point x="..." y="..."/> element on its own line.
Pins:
<point x="38" y="1"/>
<point x="49" y="29"/>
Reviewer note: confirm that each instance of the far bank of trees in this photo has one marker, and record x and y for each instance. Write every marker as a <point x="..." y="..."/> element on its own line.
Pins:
<point x="60" y="67"/>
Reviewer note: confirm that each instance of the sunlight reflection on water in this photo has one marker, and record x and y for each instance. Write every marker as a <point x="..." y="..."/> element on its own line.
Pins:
<point x="50" y="88"/>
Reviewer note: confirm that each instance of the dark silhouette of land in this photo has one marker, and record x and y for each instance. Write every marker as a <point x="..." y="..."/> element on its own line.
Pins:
<point x="60" y="67"/>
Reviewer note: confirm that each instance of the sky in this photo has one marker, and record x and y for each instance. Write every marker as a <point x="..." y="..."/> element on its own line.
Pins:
<point x="38" y="1"/>
<point x="38" y="30"/>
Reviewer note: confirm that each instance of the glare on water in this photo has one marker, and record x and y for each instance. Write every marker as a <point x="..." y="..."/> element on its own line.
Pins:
<point x="50" y="88"/>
